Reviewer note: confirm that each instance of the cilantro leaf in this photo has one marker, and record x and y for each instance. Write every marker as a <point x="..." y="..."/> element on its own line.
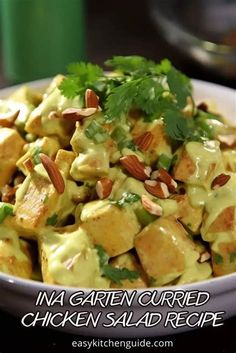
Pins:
<point x="127" y="199"/>
<point x="130" y="64"/>
<point x="116" y="275"/>
<point x="69" y="87"/>
<point x="179" y="85"/>
<point x="87" y="73"/>
<point x="164" y="67"/>
<point x="103" y="257"/>
<point x="176" y="126"/>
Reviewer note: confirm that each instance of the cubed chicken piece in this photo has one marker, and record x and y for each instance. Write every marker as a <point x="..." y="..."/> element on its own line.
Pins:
<point x="92" y="164"/>
<point x="199" y="163"/>
<point x="69" y="258"/>
<point x="160" y="143"/>
<point x="39" y="204"/>
<point x="224" y="254"/>
<point x="11" y="148"/>
<point x="220" y="214"/>
<point x="15" y="254"/>
<point x="165" y="250"/>
<point x="45" y="120"/>
<point x="111" y="227"/>
<point x="46" y="145"/>
<point x="129" y="261"/>
<point x="189" y="216"/>
<point x="64" y="160"/>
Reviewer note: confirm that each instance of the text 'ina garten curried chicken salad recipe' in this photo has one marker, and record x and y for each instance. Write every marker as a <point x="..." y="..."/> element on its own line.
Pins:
<point x="116" y="179"/>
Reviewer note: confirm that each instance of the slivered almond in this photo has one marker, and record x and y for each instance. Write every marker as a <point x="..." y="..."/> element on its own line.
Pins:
<point x="136" y="168"/>
<point x="8" y="119"/>
<point x="144" y="141"/>
<point x="91" y="99"/>
<point x="53" y="173"/>
<point x="150" y="206"/>
<point x="219" y="181"/>
<point x="103" y="188"/>
<point x="204" y="256"/>
<point x="157" y="188"/>
<point x="165" y="177"/>
<point x="29" y="165"/>
<point x="77" y="114"/>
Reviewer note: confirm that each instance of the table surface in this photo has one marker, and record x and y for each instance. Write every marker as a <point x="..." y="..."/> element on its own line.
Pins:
<point x="115" y="31"/>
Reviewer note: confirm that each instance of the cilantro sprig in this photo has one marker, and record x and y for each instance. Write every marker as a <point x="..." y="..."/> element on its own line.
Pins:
<point x="116" y="275"/>
<point x="159" y="90"/>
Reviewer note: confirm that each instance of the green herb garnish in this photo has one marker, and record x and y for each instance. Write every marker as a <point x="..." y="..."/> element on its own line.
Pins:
<point x="232" y="257"/>
<point x="158" y="90"/>
<point x="35" y="155"/>
<point x="95" y="132"/>
<point x="164" y="162"/>
<point x="116" y="275"/>
<point x="218" y="259"/>
<point x="52" y="221"/>
<point x="128" y="198"/>
<point x="5" y="210"/>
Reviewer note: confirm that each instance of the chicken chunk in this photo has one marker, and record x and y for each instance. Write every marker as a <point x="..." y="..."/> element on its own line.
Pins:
<point x="15" y="256"/>
<point x="111" y="227"/>
<point x="69" y="258"/>
<point x="164" y="250"/>
<point x="11" y="148"/>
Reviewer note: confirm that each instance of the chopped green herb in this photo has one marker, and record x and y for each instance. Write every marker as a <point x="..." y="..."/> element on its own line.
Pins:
<point x="5" y="210"/>
<point x="144" y="217"/>
<point x="116" y="275"/>
<point x="218" y="259"/>
<point x="152" y="281"/>
<point x="128" y="198"/>
<point x="164" y="161"/>
<point x="232" y="257"/>
<point x="52" y="221"/>
<point x="35" y="155"/>
<point x="95" y="132"/>
<point x="103" y="257"/>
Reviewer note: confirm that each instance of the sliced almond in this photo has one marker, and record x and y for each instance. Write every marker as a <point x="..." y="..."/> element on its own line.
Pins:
<point x="157" y="188"/>
<point x="77" y="114"/>
<point x="91" y="99"/>
<point x="8" y="193"/>
<point x="54" y="115"/>
<point x="29" y="165"/>
<point x="53" y="173"/>
<point x="144" y="141"/>
<point x="103" y="188"/>
<point x="136" y="168"/>
<point x="204" y="256"/>
<point x="150" y="206"/>
<point x="227" y="140"/>
<point x="219" y="181"/>
<point x="165" y="177"/>
<point x="8" y="119"/>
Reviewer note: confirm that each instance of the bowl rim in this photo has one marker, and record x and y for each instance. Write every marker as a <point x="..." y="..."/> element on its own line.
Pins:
<point x="216" y="285"/>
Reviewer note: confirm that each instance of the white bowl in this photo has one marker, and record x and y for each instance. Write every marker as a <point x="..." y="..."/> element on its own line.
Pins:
<point x="18" y="296"/>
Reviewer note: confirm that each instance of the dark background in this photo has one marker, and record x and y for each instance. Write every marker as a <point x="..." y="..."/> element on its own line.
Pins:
<point x="123" y="28"/>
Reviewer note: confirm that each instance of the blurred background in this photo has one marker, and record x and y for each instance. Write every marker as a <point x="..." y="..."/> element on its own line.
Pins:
<point x="39" y="37"/>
